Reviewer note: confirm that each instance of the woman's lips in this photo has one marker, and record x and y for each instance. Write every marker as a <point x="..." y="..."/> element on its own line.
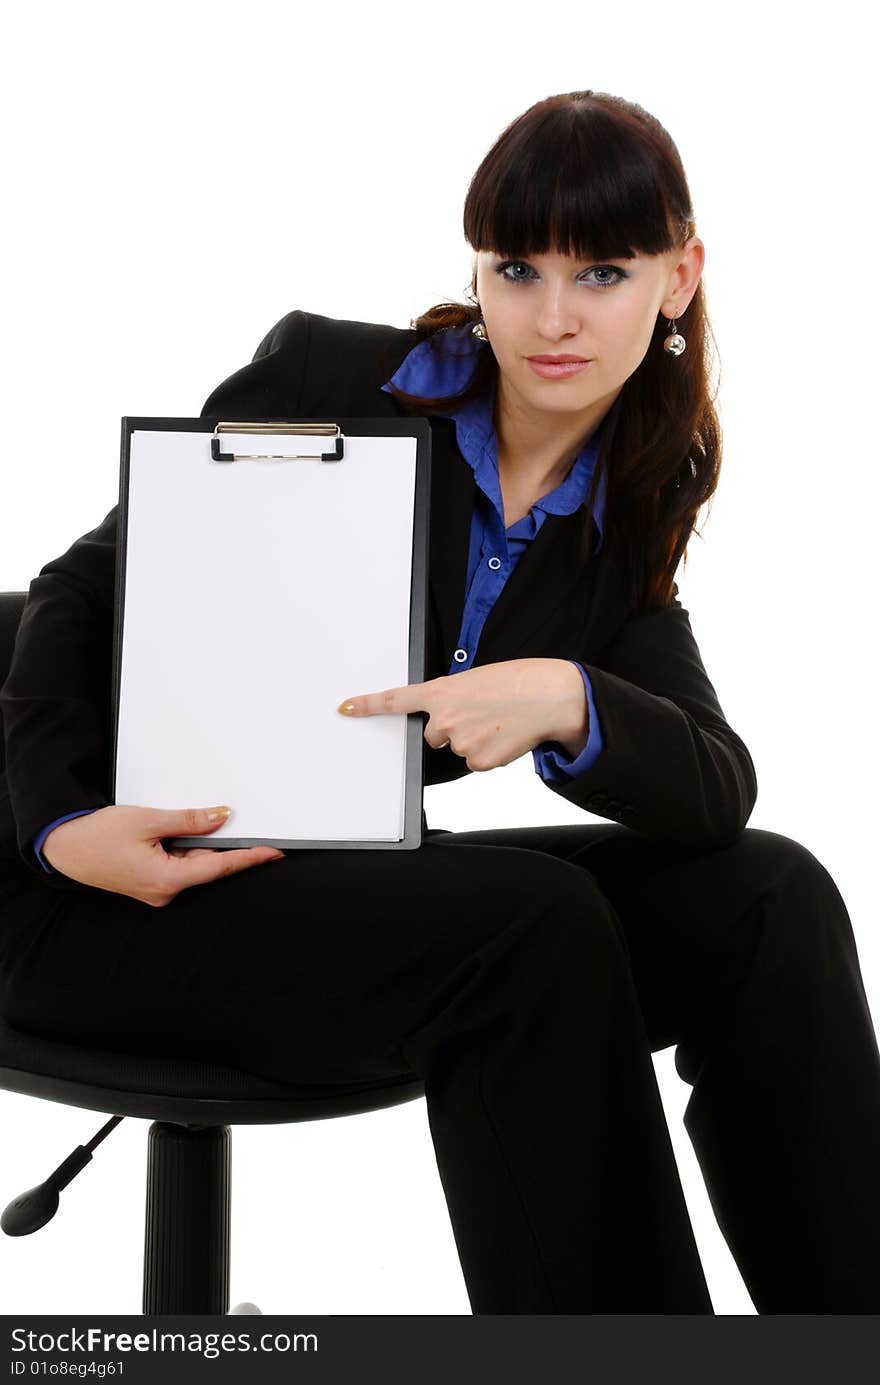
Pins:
<point x="547" y="371"/>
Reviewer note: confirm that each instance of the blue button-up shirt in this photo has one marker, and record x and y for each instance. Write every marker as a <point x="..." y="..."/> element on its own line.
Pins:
<point x="442" y="366"/>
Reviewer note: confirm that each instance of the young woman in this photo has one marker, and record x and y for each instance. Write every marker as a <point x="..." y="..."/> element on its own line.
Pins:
<point x="528" y="974"/>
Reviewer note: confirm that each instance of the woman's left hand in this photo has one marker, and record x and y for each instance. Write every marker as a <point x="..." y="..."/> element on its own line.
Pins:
<point x="489" y="715"/>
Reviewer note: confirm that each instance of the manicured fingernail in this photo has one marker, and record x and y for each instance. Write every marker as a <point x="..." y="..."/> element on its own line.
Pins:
<point x="346" y="708"/>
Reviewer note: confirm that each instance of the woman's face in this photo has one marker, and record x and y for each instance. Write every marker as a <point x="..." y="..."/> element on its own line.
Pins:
<point x="604" y="310"/>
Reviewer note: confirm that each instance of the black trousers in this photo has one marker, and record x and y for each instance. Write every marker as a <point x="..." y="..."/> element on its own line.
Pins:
<point x="527" y="975"/>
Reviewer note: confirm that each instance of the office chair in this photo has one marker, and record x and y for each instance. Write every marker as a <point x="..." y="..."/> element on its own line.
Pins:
<point x="191" y="1105"/>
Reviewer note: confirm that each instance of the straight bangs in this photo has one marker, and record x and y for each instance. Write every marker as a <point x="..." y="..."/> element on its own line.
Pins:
<point x="579" y="182"/>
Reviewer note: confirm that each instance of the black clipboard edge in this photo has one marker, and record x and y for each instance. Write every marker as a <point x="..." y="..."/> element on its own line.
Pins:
<point x="357" y="426"/>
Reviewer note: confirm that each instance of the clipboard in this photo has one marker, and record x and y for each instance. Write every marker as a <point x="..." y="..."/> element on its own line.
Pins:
<point x="266" y="570"/>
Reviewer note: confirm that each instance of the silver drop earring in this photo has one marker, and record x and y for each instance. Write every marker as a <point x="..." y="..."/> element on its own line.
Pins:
<point x="479" y="328"/>
<point x="675" y="342"/>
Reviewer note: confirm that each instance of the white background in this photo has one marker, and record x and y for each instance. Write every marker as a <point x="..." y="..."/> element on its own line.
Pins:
<point x="177" y="178"/>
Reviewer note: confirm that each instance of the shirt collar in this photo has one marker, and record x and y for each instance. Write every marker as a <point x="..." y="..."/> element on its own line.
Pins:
<point x="442" y="366"/>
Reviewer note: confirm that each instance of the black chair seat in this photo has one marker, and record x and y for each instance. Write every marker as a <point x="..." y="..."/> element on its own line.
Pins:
<point x="178" y="1089"/>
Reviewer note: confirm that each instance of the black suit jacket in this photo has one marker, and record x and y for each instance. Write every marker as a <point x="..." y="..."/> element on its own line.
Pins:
<point x="671" y="767"/>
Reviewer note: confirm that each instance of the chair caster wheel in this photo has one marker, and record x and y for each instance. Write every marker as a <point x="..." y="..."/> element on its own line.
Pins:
<point x="246" y="1308"/>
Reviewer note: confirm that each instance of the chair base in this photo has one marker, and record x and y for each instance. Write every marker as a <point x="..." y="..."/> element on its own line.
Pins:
<point x="186" y="1243"/>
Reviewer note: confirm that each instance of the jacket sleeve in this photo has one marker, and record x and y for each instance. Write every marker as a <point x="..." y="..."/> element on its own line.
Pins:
<point x="671" y="767"/>
<point x="57" y="697"/>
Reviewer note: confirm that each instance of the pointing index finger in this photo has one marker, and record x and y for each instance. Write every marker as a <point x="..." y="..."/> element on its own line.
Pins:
<point x="390" y="701"/>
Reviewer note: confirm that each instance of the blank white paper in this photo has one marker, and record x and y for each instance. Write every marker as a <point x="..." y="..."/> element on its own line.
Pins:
<point x="258" y="596"/>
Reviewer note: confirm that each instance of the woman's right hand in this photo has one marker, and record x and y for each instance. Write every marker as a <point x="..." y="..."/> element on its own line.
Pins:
<point x="119" y="848"/>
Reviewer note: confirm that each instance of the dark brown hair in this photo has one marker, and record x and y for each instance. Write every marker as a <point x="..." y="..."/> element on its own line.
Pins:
<point x="591" y="175"/>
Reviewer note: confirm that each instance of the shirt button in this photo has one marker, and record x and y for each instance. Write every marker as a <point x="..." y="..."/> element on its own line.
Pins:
<point x="460" y="656"/>
<point x="494" y="563"/>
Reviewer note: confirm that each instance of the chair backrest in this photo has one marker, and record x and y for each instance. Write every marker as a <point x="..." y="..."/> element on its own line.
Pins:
<point x="11" y="608"/>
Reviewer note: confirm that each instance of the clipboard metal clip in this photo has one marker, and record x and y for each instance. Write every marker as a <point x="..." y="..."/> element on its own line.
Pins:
<point x="315" y="430"/>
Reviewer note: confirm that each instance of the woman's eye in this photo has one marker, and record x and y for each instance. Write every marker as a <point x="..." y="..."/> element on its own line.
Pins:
<point x="605" y="269"/>
<point x="515" y="264"/>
